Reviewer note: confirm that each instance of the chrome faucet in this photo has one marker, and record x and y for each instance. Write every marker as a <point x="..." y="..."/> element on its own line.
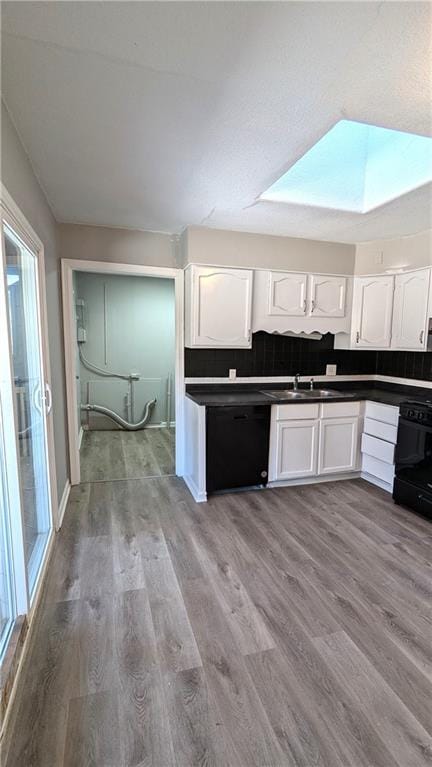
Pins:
<point x="296" y="381"/>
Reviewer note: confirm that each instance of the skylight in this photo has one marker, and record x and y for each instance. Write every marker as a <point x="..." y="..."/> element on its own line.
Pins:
<point x="356" y="167"/>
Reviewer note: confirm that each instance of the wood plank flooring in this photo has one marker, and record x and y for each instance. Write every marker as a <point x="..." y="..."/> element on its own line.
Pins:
<point x="116" y="454"/>
<point x="285" y="628"/>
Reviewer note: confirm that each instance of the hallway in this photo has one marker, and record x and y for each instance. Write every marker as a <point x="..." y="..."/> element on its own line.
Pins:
<point x="278" y="628"/>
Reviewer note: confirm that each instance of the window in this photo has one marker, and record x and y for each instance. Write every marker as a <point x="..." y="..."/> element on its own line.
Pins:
<point x="356" y="167"/>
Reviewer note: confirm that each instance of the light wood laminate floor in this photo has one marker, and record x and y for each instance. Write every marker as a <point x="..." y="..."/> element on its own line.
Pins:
<point x="284" y="627"/>
<point x="116" y="454"/>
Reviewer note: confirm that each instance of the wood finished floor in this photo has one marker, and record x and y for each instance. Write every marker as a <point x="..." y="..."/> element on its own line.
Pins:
<point x="286" y="627"/>
<point x="116" y="454"/>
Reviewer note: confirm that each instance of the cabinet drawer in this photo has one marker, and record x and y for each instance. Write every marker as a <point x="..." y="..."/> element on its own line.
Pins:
<point x="296" y="411"/>
<point x="386" y="413"/>
<point x="339" y="409"/>
<point x="380" y="429"/>
<point x="377" y="468"/>
<point x="377" y="448"/>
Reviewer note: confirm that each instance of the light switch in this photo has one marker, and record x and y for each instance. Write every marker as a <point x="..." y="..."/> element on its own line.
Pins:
<point x="232" y="374"/>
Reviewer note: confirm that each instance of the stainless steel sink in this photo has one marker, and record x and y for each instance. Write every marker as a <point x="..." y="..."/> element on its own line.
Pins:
<point x="294" y="394"/>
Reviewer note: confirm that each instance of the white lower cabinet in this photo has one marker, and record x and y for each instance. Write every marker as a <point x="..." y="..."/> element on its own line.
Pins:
<point x="296" y="449"/>
<point x="338" y="445"/>
<point x="378" y="444"/>
<point x="308" y="440"/>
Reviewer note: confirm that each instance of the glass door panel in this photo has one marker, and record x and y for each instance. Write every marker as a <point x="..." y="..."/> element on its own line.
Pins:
<point x="7" y="602"/>
<point x="29" y="396"/>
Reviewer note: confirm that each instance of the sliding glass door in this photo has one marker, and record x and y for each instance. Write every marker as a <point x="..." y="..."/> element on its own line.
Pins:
<point x="26" y="472"/>
<point x="30" y="397"/>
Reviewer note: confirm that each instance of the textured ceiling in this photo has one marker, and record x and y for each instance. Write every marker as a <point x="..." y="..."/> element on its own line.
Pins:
<point x="162" y="115"/>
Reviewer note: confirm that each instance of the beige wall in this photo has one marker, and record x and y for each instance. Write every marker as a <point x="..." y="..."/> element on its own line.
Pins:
<point x="220" y="247"/>
<point x="414" y="251"/>
<point x="21" y="183"/>
<point x="125" y="246"/>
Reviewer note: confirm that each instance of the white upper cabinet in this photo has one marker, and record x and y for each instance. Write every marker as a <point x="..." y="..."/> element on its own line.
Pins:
<point x="301" y="302"/>
<point x="372" y="311"/>
<point x="327" y="295"/>
<point x="287" y="294"/>
<point x="218" y="307"/>
<point x="410" y="310"/>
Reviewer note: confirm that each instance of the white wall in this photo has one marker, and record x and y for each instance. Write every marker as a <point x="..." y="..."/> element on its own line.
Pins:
<point x="414" y="251"/>
<point x="21" y="183"/>
<point x="130" y="326"/>
<point x="221" y="247"/>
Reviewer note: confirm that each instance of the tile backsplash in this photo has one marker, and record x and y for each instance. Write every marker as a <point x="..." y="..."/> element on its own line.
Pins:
<point x="276" y="355"/>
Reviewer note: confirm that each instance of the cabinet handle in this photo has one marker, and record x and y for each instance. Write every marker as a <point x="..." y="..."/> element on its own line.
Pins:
<point x="357" y="337"/>
<point x="421" y="336"/>
<point x="312" y="305"/>
<point x="304" y="305"/>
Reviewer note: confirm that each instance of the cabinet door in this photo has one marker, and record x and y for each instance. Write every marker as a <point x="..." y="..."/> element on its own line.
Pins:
<point x="287" y="294"/>
<point x="296" y="449"/>
<point x="327" y="296"/>
<point x="373" y="310"/>
<point x="221" y="307"/>
<point x="338" y="445"/>
<point x="410" y="310"/>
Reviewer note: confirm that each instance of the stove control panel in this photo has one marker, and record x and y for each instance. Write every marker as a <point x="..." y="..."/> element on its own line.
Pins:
<point x="420" y="412"/>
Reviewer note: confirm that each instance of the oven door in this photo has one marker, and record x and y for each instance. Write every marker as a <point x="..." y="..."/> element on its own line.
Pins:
<point x="413" y="457"/>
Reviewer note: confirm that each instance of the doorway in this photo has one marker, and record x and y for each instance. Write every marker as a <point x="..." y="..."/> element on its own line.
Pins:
<point x="123" y="328"/>
<point x="28" y="495"/>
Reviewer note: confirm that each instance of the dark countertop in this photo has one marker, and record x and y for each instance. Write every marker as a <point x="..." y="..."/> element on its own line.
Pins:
<point x="213" y="395"/>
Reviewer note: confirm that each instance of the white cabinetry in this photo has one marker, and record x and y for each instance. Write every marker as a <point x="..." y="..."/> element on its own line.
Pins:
<point x="378" y="444"/>
<point x="327" y="295"/>
<point x="372" y="311"/>
<point x="296" y="449"/>
<point x="338" y="445"/>
<point x="218" y="307"/>
<point x="309" y="440"/>
<point x="287" y="294"/>
<point x="411" y="297"/>
<point x="301" y="303"/>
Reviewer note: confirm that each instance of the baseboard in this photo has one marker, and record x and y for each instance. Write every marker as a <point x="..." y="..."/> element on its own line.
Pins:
<point x="376" y="481"/>
<point x="80" y="437"/>
<point x="63" y="504"/>
<point x="200" y="496"/>
<point x="313" y="480"/>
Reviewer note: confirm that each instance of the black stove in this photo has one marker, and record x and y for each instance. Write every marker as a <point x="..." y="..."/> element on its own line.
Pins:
<point x="413" y="457"/>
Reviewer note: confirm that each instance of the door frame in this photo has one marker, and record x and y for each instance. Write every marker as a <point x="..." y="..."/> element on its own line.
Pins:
<point x="15" y="219"/>
<point x="68" y="267"/>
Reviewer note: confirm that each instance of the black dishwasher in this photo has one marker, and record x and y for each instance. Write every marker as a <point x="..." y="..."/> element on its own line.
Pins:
<point x="237" y="446"/>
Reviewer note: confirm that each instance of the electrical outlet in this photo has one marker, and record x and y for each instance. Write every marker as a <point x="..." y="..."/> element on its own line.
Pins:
<point x="379" y="257"/>
<point x="232" y="373"/>
<point x="331" y="370"/>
